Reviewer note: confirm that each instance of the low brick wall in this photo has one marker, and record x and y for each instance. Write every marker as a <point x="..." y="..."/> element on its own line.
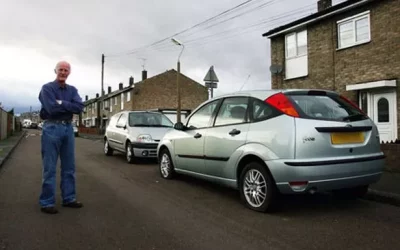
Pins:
<point x="91" y="131"/>
<point x="392" y="152"/>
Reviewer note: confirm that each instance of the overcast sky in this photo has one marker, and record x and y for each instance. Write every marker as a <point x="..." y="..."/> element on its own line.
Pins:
<point x="34" y="35"/>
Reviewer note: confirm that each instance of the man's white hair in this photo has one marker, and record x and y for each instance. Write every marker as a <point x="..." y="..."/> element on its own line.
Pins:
<point x="63" y="62"/>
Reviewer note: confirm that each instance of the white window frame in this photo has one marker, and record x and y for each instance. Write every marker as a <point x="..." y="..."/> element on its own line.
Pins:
<point x="353" y="20"/>
<point x="122" y="101"/>
<point x="296" y="66"/>
<point x="297" y="53"/>
<point x="115" y="101"/>
<point x="128" y="96"/>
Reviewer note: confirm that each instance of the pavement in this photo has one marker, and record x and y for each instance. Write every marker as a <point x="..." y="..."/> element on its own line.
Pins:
<point x="8" y="145"/>
<point x="129" y="206"/>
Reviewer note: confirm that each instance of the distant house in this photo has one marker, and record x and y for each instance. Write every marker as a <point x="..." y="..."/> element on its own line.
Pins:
<point x="353" y="48"/>
<point x="155" y="93"/>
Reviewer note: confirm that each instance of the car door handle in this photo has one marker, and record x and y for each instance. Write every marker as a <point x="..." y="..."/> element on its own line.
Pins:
<point x="234" y="132"/>
<point x="197" y="135"/>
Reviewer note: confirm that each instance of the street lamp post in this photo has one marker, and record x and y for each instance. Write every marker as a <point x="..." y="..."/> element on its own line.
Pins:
<point x="102" y="93"/>
<point x="178" y="118"/>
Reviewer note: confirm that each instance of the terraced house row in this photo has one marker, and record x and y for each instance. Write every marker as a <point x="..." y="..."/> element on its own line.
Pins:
<point x="155" y="93"/>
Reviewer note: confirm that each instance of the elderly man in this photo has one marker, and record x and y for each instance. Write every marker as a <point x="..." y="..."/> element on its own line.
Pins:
<point x="59" y="102"/>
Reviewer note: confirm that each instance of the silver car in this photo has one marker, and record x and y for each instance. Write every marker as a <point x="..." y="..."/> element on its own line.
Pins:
<point x="136" y="134"/>
<point x="267" y="143"/>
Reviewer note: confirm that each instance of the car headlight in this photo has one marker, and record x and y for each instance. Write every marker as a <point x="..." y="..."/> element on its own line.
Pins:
<point x="144" y="138"/>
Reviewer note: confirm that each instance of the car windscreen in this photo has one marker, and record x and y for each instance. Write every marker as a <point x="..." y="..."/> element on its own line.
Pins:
<point x="326" y="107"/>
<point x="149" y="119"/>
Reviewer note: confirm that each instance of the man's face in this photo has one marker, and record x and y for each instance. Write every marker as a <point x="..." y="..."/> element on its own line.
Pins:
<point x="62" y="71"/>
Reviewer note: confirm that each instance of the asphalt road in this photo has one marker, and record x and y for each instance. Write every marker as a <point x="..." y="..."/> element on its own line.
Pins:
<point x="131" y="207"/>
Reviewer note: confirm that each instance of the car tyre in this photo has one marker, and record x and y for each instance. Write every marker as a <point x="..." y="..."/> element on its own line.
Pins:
<point x="257" y="188"/>
<point x="130" y="157"/>
<point x="166" y="166"/>
<point x="107" y="149"/>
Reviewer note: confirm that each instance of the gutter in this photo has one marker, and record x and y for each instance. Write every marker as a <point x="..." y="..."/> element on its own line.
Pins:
<point x="319" y="18"/>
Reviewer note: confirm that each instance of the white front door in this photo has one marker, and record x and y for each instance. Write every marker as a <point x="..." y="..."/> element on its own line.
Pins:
<point x="384" y="115"/>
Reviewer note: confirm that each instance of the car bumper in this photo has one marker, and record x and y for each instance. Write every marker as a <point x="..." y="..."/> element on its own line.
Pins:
<point x="329" y="175"/>
<point x="145" y="150"/>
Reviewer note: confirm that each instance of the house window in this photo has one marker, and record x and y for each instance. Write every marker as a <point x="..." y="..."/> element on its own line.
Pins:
<point x="122" y="101"/>
<point x="354" y="30"/>
<point x="296" y="55"/>
<point x="128" y="96"/>
<point x="115" y="100"/>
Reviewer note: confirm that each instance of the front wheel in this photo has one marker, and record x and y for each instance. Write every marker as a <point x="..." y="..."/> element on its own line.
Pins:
<point x="130" y="157"/>
<point x="165" y="164"/>
<point x="257" y="188"/>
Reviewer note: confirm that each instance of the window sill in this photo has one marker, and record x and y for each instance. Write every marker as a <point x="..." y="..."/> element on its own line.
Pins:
<point x="295" y="78"/>
<point x="353" y="45"/>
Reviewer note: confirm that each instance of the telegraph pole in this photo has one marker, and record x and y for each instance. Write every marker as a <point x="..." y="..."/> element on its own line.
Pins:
<point x="102" y="92"/>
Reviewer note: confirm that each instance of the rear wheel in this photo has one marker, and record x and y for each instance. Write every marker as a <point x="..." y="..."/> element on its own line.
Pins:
<point x="257" y="188"/>
<point x="107" y="149"/>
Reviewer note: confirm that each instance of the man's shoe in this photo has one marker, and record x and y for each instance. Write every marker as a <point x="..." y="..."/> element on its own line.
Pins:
<point x="49" y="210"/>
<point x="74" y="204"/>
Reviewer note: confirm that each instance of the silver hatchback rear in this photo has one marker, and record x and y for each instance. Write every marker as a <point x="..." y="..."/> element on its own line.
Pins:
<point x="336" y="146"/>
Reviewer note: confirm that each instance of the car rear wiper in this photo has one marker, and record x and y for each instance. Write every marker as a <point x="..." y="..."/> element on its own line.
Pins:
<point x="359" y="115"/>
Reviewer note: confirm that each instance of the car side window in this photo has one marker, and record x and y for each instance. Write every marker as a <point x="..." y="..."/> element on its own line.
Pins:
<point x="262" y="111"/>
<point x="121" y="121"/>
<point x="201" y="118"/>
<point x="233" y="111"/>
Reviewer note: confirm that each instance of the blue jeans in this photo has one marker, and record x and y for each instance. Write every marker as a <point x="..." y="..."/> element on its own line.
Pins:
<point x="57" y="141"/>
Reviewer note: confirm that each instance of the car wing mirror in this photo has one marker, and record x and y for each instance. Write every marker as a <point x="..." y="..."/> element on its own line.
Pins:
<point x="179" y="126"/>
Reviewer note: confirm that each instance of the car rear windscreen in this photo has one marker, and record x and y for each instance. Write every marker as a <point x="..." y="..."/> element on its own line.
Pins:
<point x="326" y="107"/>
<point x="149" y="119"/>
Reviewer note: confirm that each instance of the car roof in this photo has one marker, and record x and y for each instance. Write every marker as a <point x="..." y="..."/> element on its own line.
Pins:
<point x="263" y="94"/>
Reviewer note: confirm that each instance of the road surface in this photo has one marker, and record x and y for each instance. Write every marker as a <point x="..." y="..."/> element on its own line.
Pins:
<point x="131" y="207"/>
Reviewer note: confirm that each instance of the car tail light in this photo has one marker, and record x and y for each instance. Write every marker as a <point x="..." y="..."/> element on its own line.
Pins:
<point x="351" y="103"/>
<point x="282" y="103"/>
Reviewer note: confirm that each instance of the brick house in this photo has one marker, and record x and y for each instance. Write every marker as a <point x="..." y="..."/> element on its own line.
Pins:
<point x="157" y="92"/>
<point x="90" y="112"/>
<point x="352" y="48"/>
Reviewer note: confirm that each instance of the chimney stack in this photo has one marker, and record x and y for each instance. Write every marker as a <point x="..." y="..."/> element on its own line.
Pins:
<point x="86" y="97"/>
<point x="130" y="81"/>
<point x="144" y="75"/>
<point x="97" y="95"/>
<point x="109" y="89"/>
<point x="121" y="86"/>
<point x="324" y="4"/>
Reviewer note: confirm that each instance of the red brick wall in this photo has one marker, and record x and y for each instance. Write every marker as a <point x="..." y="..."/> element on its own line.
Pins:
<point x="333" y="69"/>
<point x="92" y="131"/>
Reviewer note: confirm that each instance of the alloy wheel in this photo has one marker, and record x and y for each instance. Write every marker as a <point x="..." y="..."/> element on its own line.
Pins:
<point x="165" y="165"/>
<point x="255" y="188"/>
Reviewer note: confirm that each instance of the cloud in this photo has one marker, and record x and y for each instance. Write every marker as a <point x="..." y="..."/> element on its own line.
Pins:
<point x="37" y="34"/>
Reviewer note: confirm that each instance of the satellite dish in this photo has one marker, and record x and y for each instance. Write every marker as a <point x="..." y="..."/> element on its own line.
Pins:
<point x="275" y="69"/>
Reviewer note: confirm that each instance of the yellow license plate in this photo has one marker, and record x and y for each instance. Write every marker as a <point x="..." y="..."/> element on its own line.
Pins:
<point x="347" y="138"/>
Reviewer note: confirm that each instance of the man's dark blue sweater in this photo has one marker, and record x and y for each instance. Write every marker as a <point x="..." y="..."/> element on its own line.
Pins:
<point x="71" y="101"/>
